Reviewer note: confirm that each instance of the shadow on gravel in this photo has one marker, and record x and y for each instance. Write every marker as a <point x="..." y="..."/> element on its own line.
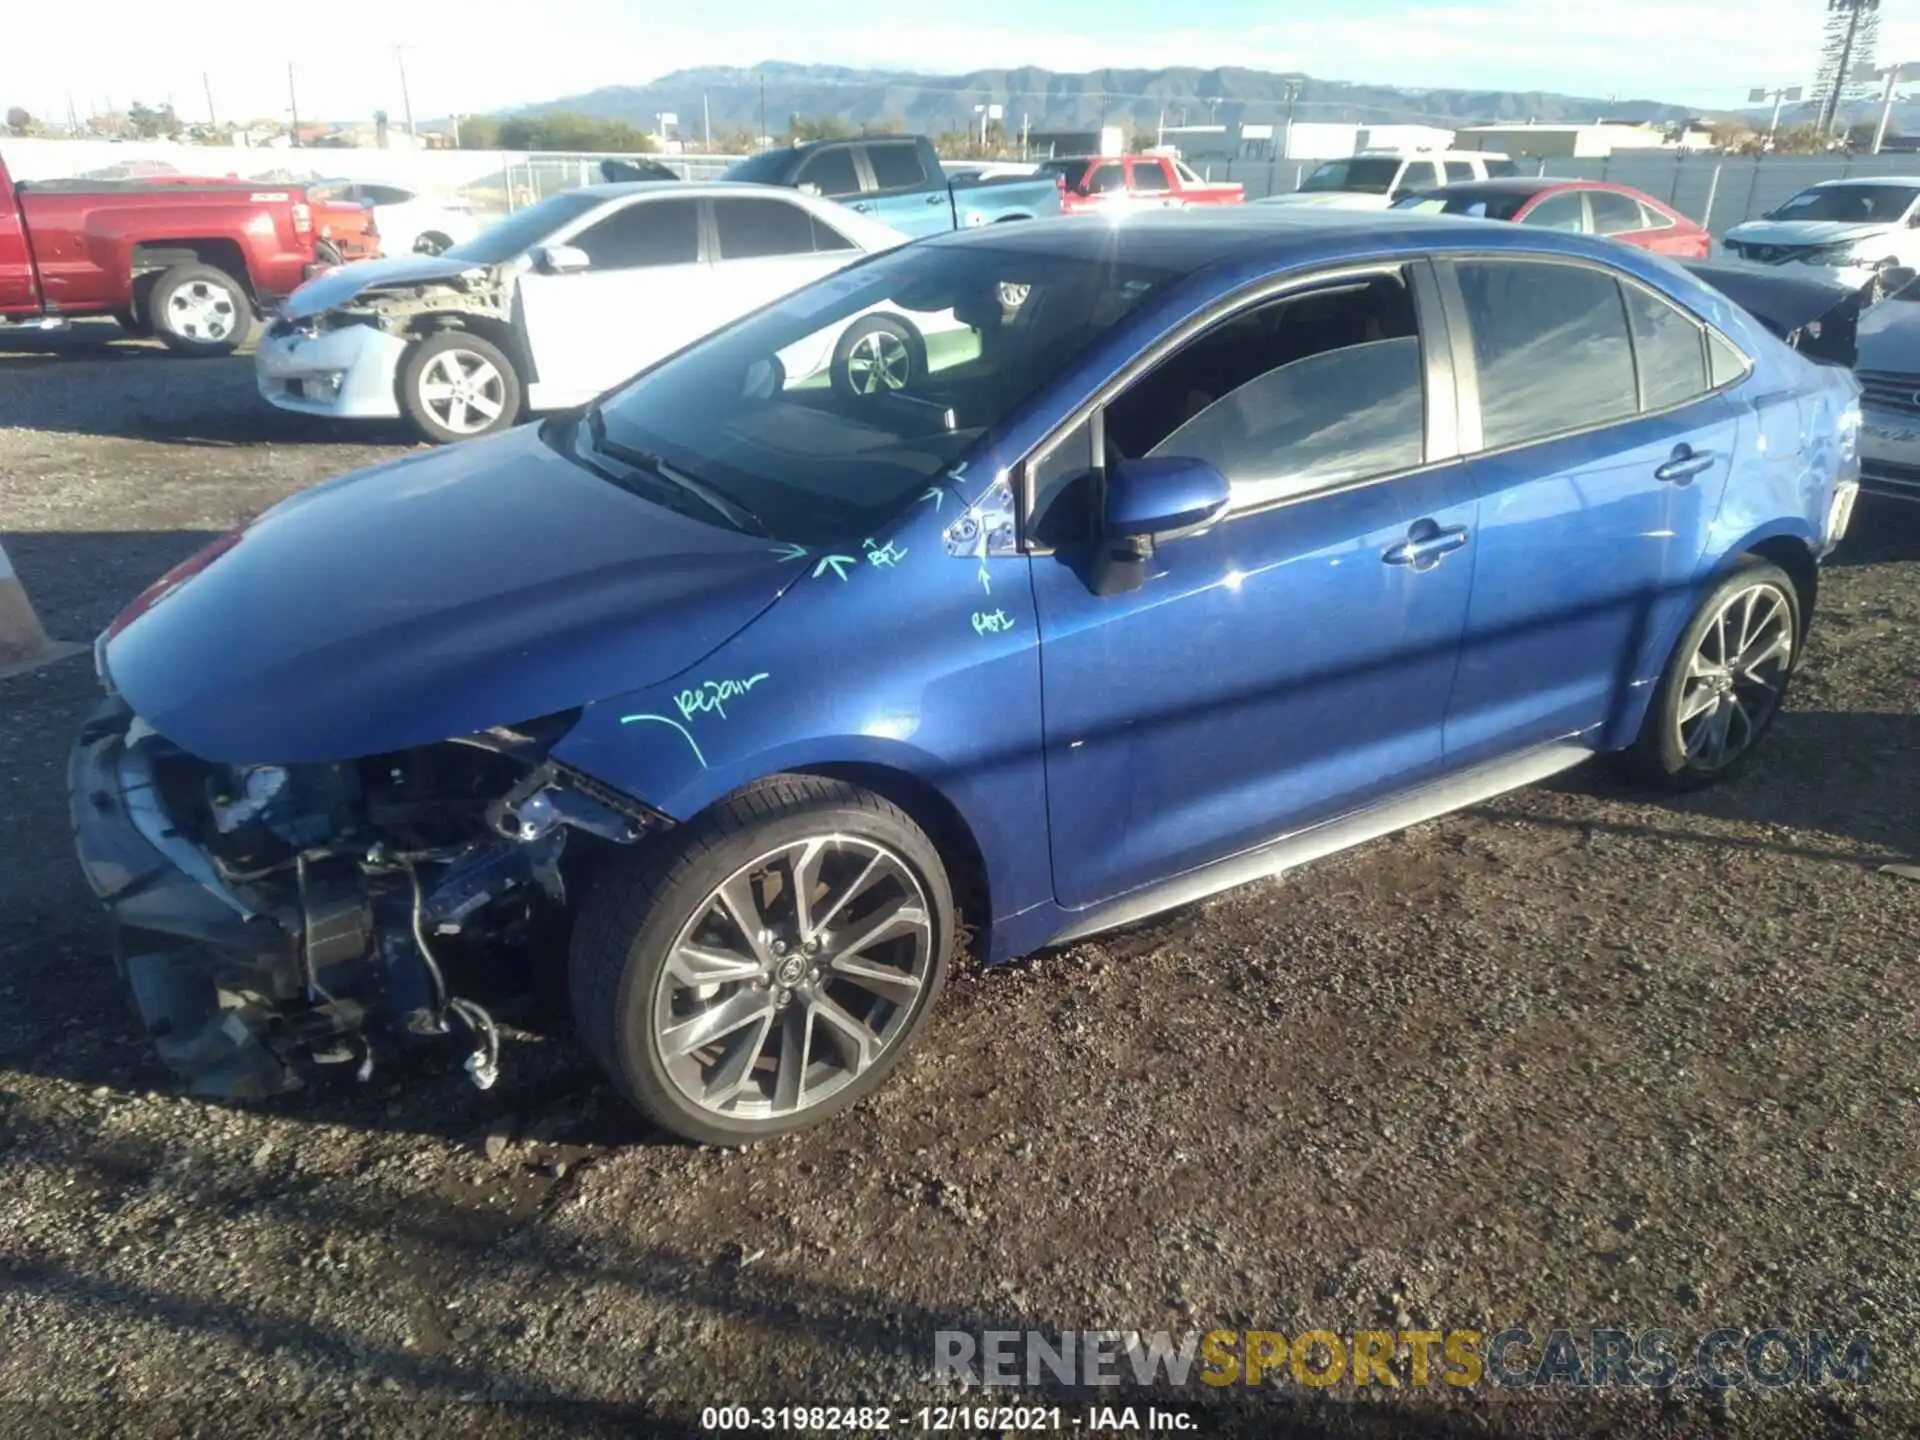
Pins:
<point x="426" y="1242"/>
<point x="1880" y="532"/>
<point x="95" y="380"/>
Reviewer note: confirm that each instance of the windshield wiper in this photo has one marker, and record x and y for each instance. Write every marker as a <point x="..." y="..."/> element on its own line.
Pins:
<point x="735" y="514"/>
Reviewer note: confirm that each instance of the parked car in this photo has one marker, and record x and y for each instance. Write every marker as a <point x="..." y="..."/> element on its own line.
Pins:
<point x="1843" y="230"/>
<point x="1224" y="552"/>
<point x="1374" y="179"/>
<point x="1102" y="184"/>
<point x="408" y="222"/>
<point x="191" y="263"/>
<point x="562" y="300"/>
<point x="1590" y="207"/>
<point x="1889" y="371"/>
<point x="897" y="180"/>
<point x="615" y="171"/>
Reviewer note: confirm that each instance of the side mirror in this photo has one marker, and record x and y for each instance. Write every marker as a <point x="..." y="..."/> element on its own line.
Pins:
<point x="1162" y="499"/>
<point x="808" y="188"/>
<point x="1913" y="221"/>
<point x="1148" y="501"/>
<point x="560" y="259"/>
<point x="1897" y="280"/>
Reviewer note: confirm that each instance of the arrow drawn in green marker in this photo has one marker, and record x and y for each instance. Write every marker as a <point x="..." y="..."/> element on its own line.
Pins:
<point x="790" y="552"/>
<point x="985" y="583"/>
<point x="935" y="494"/>
<point x="663" y="720"/>
<point x="836" y="563"/>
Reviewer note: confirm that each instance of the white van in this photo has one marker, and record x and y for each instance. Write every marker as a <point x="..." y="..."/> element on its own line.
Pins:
<point x="1374" y="179"/>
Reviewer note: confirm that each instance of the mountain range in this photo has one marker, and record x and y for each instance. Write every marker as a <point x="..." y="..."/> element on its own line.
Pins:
<point x="731" y="98"/>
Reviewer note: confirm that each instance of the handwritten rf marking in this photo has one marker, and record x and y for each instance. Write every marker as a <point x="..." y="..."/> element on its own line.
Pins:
<point x="711" y="696"/>
<point x="885" y="556"/>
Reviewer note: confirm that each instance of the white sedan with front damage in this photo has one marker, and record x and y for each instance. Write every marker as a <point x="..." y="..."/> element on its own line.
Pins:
<point x="565" y="299"/>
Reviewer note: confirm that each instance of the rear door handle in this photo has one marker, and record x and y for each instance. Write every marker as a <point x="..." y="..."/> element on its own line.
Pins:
<point x="860" y="205"/>
<point x="1427" y="543"/>
<point x="1686" y="463"/>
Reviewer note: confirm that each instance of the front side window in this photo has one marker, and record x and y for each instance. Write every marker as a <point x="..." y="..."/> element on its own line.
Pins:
<point x="1858" y="204"/>
<point x="896" y="167"/>
<point x="1367" y="176"/>
<point x="1148" y="176"/>
<point x="1296" y="395"/>
<point x="1502" y="169"/>
<point x="1458" y="170"/>
<point x="831" y="172"/>
<point x="648" y="233"/>
<point x="519" y="232"/>
<point x="1613" y="213"/>
<point x="1551" y="346"/>
<point x="1670" y="349"/>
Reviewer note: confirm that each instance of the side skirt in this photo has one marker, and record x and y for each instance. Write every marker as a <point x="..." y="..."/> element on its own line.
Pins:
<point x="1285" y="852"/>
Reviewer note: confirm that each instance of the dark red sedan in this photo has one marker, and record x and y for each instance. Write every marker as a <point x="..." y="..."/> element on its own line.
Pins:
<point x="1592" y="207"/>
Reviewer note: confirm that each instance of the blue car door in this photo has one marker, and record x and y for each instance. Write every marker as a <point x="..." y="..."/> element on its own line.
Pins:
<point x="1604" y="452"/>
<point x="1293" y="661"/>
<point x="899" y="191"/>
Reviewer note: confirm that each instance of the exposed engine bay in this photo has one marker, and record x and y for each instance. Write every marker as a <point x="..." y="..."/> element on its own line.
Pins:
<point x="320" y="914"/>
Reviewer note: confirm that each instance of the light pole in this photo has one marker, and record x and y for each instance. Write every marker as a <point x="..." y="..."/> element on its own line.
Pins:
<point x="1760" y="95"/>
<point x="406" y="101"/>
<point x="1892" y="75"/>
<point x="293" y="108"/>
<point x="1293" y="94"/>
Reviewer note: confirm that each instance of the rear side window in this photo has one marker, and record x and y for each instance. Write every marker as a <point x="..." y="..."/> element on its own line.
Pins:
<point x="1290" y="397"/>
<point x="1725" y="363"/>
<point x="751" y="229"/>
<point x="1557" y="212"/>
<point x="1670" y="348"/>
<point x="1613" y="214"/>
<point x="832" y="172"/>
<point x="1652" y="219"/>
<point x="1458" y="170"/>
<point x="653" y="232"/>
<point x="1551" y="346"/>
<point x="896" y="167"/>
<point x="1501" y="169"/>
<point x="1147" y="175"/>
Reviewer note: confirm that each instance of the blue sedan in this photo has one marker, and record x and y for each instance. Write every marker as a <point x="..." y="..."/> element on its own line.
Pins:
<point x="1196" y="547"/>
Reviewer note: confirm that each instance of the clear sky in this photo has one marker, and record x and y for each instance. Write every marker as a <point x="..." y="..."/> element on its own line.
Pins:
<point x="473" y="55"/>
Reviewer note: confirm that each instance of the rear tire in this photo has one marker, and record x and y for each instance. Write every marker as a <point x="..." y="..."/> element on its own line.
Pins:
<point x="432" y="243"/>
<point x="877" y="355"/>
<point x="451" y="380"/>
<point x="325" y="252"/>
<point x="200" y="311"/>
<point x="791" y="1016"/>
<point x="1724" y="683"/>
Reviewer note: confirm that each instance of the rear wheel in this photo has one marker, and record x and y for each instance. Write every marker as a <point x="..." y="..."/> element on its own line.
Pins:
<point x="455" y="385"/>
<point x="769" y="966"/>
<point x="199" y="310"/>
<point x="1725" y="683"/>
<point x="432" y="243"/>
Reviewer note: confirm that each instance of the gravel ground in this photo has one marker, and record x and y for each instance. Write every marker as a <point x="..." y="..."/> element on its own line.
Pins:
<point x="1574" y="1058"/>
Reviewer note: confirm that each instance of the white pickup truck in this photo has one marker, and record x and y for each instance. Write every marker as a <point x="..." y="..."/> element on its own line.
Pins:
<point x="1375" y="179"/>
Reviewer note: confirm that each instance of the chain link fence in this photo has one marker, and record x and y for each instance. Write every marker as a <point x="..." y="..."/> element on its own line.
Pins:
<point x="1716" y="191"/>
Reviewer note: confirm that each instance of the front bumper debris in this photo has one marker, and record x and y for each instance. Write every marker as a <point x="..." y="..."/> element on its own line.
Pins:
<point x="350" y="371"/>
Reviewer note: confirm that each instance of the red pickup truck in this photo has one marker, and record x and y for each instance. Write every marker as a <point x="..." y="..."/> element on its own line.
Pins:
<point x="1107" y="182"/>
<point x="193" y="264"/>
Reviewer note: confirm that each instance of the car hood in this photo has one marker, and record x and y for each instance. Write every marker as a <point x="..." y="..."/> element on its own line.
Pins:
<point x="1805" y="232"/>
<point x="1889" y="338"/>
<point x="486" y="584"/>
<point x="346" y="282"/>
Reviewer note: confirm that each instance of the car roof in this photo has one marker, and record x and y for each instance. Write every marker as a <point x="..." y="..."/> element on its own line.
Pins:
<point x="1190" y="241"/>
<point x="1867" y="180"/>
<point x="1510" y="185"/>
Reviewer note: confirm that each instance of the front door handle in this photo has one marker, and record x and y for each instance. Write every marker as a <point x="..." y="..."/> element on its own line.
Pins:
<point x="936" y="199"/>
<point x="1686" y="463"/>
<point x="1427" y="543"/>
<point x="860" y="205"/>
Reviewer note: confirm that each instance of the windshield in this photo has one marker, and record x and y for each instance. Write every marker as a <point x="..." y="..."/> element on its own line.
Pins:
<point x="1487" y="205"/>
<point x="1861" y="204"/>
<point x="1370" y="177"/>
<point x="524" y="229"/>
<point x="824" y="413"/>
<point x="769" y="167"/>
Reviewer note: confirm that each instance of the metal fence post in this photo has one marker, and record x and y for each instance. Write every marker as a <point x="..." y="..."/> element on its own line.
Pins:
<point x="1713" y="189"/>
<point x="1606" y="161"/>
<point x="1753" y="184"/>
<point x="1679" y="164"/>
<point x="1540" y="168"/>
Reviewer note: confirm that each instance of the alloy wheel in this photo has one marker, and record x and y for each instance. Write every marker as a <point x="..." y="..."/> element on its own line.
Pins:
<point x="792" y="977"/>
<point x="463" y="390"/>
<point x="879" y="360"/>
<point x="201" y="310"/>
<point x="1735" y="677"/>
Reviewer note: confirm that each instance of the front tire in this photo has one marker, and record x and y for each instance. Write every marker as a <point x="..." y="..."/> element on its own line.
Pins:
<point x="199" y="311"/>
<point x="766" y="967"/>
<point x="432" y="243"/>
<point x="1725" y="682"/>
<point x="455" y="385"/>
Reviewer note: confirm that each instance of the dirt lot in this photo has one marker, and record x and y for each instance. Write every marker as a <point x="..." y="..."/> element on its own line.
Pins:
<point x="1575" y="1058"/>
